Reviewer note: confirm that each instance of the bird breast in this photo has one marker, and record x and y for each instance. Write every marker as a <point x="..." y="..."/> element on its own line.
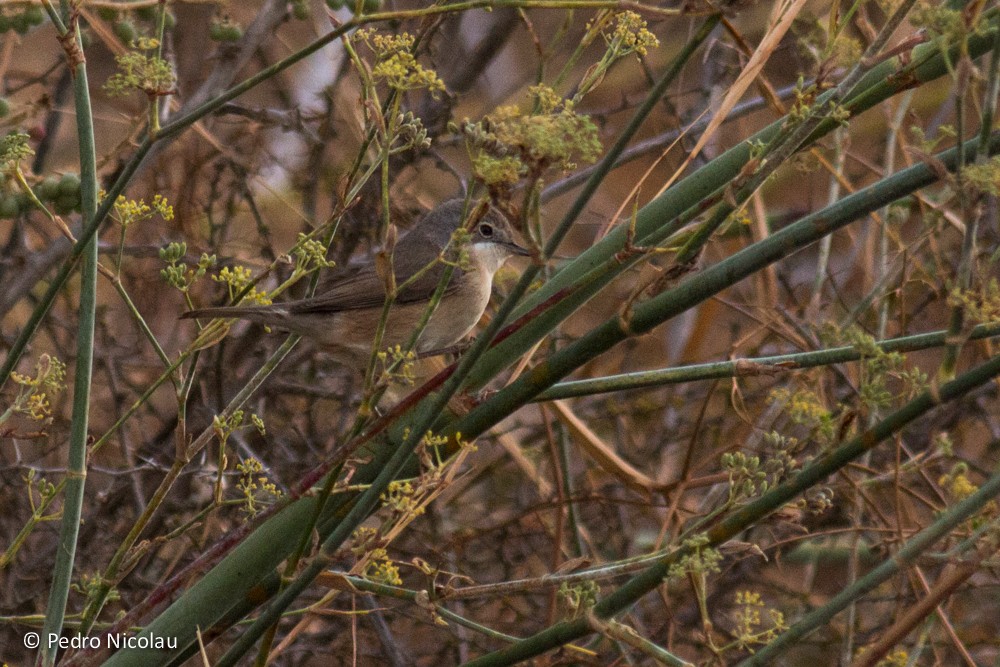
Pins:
<point x="458" y="313"/>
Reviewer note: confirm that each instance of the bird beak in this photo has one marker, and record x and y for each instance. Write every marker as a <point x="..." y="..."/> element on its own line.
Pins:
<point x="515" y="249"/>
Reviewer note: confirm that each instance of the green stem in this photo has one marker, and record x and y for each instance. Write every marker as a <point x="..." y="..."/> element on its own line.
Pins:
<point x="389" y="121"/>
<point x="428" y="413"/>
<point x="967" y="261"/>
<point x="37" y="517"/>
<point x="823" y="111"/>
<point x="905" y="557"/>
<point x="963" y="273"/>
<point x="494" y="360"/>
<point x="112" y="573"/>
<point x="92" y="225"/>
<point x="753" y="512"/>
<point x="76" y="472"/>
<point x="695" y="290"/>
<point x="659" y="219"/>
<point x="833" y="194"/>
<point x="713" y="279"/>
<point x="769" y="365"/>
<point x="292" y="564"/>
<point x="365" y="503"/>
<point x="116" y="282"/>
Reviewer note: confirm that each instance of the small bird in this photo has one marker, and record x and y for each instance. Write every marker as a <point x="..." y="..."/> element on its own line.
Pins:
<point x="342" y="318"/>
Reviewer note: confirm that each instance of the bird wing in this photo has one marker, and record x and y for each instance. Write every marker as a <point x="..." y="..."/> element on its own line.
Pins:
<point x="361" y="287"/>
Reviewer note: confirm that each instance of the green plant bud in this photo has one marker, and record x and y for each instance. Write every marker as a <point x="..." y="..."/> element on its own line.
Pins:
<point x="334" y="4"/>
<point x="64" y="205"/>
<point x="4" y="23"/>
<point x="48" y="189"/>
<point x="173" y="252"/>
<point x="9" y="206"/>
<point x="107" y="13"/>
<point x="69" y="185"/>
<point x="35" y="15"/>
<point x="126" y="31"/>
<point x="20" y="23"/>
<point x="231" y="33"/>
<point x="370" y="6"/>
<point x="147" y="13"/>
<point x="300" y="10"/>
<point x="4" y="107"/>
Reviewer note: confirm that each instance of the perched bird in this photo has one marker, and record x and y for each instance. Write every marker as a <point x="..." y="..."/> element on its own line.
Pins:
<point x="344" y="314"/>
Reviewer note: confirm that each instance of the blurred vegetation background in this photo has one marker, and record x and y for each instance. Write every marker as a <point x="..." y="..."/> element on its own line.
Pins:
<point x="747" y="502"/>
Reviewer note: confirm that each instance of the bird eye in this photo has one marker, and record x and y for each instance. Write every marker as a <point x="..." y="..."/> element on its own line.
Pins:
<point x="486" y="230"/>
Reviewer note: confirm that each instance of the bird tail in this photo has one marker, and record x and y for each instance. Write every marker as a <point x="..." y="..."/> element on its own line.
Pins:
<point x="259" y="314"/>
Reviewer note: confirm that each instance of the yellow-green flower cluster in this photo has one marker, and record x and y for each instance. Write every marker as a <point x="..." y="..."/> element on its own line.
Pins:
<point x="957" y="483"/>
<point x="38" y="407"/>
<point x="396" y="64"/>
<point x="746" y="478"/>
<point x="630" y="35"/>
<point x="749" y="630"/>
<point x="981" y="305"/>
<point x="508" y="145"/>
<point x="363" y="540"/>
<point x="239" y="278"/>
<point x="802" y="107"/>
<point x="177" y="273"/>
<point x="805" y="95"/>
<point x="310" y="254"/>
<point x="400" y="498"/>
<point x="805" y="408"/>
<point x="258" y="424"/>
<point x="700" y="558"/>
<point x="90" y="583"/>
<point x="403" y="72"/>
<point x="35" y="392"/>
<point x="397" y="366"/>
<point x="457" y="251"/>
<point x="579" y="598"/>
<point x="128" y="211"/>
<point x="255" y="488"/>
<point x="14" y="148"/>
<point x="984" y="177"/>
<point x="136" y="71"/>
<point x="382" y="570"/>
<point x="897" y="658"/>
<point x="431" y="441"/>
<point x="224" y="426"/>
<point x="877" y="368"/>
<point x="941" y="19"/>
<point x="40" y="491"/>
